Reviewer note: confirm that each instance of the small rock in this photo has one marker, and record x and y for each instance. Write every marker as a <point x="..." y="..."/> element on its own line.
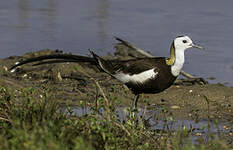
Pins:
<point x="175" y="107"/>
<point x="225" y="127"/>
<point x="59" y="76"/>
<point x="5" y="68"/>
<point x="198" y="134"/>
<point x="25" y="75"/>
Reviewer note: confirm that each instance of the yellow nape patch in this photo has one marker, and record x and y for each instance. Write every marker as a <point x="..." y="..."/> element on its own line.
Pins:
<point x="170" y="61"/>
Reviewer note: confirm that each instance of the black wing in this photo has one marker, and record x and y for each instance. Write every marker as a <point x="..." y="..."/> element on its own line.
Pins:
<point x="137" y="66"/>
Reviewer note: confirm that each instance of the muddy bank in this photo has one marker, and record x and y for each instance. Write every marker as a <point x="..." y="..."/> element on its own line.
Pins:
<point x="71" y="83"/>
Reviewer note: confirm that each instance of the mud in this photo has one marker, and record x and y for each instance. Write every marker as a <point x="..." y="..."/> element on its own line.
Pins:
<point x="71" y="83"/>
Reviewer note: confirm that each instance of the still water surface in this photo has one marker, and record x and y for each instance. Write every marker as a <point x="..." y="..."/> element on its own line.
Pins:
<point x="76" y="25"/>
<point x="205" y="128"/>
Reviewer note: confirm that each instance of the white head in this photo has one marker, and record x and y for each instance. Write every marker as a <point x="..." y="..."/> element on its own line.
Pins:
<point x="184" y="43"/>
<point x="181" y="43"/>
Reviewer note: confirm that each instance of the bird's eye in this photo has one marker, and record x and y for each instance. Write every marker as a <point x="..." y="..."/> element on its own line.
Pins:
<point x="184" y="41"/>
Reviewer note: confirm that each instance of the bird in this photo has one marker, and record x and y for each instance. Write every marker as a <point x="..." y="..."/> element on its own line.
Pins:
<point x="141" y="75"/>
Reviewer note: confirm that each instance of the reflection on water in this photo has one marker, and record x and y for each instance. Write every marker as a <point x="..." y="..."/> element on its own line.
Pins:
<point x="74" y="26"/>
<point x="23" y="13"/>
<point x="102" y="21"/>
<point x="30" y="16"/>
<point x="202" y="127"/>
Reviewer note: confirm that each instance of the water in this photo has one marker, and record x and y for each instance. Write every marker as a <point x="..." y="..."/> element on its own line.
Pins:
<point x="74" y="26"/>
<point x="200" y="128"/>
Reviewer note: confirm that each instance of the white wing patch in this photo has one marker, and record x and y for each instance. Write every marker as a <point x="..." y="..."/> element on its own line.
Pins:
<point x="141" y="77"/>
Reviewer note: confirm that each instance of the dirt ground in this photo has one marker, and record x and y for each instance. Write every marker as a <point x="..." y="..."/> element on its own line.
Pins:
<point x="73" y="82"/>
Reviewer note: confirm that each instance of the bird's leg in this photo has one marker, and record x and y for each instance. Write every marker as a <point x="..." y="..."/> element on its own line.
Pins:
<point x="135" y="102"/>
<point x="134" y="110"/>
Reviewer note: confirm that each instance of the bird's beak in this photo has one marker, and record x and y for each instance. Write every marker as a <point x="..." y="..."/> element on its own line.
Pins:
<point x="197" y="46"/>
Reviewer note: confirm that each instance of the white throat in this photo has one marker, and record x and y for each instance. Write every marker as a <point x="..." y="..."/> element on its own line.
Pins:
<point x="179" y="62"/>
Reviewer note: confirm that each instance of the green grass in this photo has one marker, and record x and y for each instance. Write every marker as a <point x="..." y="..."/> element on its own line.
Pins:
<point x="33" y="120"/>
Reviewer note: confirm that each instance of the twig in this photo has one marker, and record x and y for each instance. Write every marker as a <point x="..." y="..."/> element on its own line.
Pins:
<point x="101" y="91"/>
<point x="6" y="81"/>
<point x="134" y="47"/>
<point x="187" y="75"/>
<point x="143" y="52"/>
<point x="1" y="118"/>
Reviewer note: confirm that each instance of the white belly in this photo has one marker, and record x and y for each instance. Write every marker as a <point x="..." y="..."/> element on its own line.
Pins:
<point x="140" y="78"/>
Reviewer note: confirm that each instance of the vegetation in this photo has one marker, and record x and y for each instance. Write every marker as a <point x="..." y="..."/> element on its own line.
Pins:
<point x="32" y="119"/>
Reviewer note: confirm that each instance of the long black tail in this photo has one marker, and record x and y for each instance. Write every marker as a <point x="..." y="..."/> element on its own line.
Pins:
<point x="104" y="65"/>
<point x="60" y="57"/>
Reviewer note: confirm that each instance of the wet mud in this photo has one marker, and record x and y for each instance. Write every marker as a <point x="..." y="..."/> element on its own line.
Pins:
<point x="71" y="83"/>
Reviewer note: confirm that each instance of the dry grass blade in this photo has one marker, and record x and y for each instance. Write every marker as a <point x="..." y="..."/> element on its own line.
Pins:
<point x="123" y="128"/>
<point x="4" y="119"/>
<point x="101" y="91"/>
